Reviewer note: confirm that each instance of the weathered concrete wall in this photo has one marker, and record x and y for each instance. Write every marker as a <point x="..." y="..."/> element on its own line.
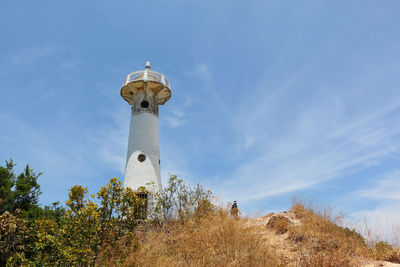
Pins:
<point x="143" y="140"/>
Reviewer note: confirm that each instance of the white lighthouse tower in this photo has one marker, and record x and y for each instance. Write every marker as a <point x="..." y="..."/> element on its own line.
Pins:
<point x="144" y="90"/>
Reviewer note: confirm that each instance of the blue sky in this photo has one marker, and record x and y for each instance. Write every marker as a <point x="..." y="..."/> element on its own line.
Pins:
<point x="270" y="99"/>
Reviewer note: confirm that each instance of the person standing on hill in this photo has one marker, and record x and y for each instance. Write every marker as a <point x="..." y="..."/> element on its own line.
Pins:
<point x="235" y="210"/>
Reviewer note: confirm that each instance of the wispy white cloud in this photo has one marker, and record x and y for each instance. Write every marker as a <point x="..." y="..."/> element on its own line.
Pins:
<point x="201" y="71"/>
<point x="71" y="64"/>
<point x="385" y="187"/>
<point x="173" y="161"/>
<point x="29" y="55"/>
<point x="188" y="101"/>
<point x="382" y="220"/>
<point x="321" y="135"/>
<point x="53" y="55"/>
<point x="379" y="223"/>
<point x="112" y="138"/>
<point x="63" y="163"/>
<point x="175" y="118"/>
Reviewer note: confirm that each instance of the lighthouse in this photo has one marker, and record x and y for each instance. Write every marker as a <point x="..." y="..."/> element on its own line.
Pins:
<point x="144" y="90"/>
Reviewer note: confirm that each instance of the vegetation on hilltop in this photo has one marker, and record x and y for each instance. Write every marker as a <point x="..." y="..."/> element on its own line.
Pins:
<point x="185" y="228"/>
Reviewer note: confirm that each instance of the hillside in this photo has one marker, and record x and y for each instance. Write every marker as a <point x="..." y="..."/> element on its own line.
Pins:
<point x="299" y="237"/>
<point x="315" y="241"/>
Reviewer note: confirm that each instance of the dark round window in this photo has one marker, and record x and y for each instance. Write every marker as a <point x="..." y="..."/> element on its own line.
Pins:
<point x="141" y="157"/>
<point x="144" y="104"/>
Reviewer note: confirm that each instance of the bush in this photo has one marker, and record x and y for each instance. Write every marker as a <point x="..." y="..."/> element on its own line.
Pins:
<point x="75" y="236"/>
<point x="386" y="252"/>
<point x="13" y="236"/>
<point x="93" y="229"/>
<point x="179" y="201"/>
<point x="279" y="223"/>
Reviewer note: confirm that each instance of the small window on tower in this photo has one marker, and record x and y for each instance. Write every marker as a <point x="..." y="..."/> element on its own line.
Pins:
<point x="141" y="157"/>
<point x="144" y="104"/>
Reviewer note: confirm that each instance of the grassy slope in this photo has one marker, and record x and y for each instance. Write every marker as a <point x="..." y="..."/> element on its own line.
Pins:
<point x="301" y="237"/>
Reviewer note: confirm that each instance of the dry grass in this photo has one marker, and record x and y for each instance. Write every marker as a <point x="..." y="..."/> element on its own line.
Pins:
<point x="375" y="233"/>
<point x="217" y="240"/>
<point x="322" y="241"/>
<point x="386" y="252"/>
<point x="310" y="234"/>
<point x="325" y="243"/>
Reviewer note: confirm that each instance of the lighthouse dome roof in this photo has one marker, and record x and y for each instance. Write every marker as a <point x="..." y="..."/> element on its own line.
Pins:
<point x="146" y="81"/>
